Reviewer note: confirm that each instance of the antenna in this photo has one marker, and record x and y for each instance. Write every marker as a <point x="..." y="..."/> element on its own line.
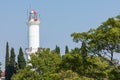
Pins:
<point x="29" y="7"/>
<point x="27" y="13"/>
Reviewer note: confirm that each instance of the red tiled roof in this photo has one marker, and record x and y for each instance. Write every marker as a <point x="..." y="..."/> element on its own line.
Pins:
<point x="3" y="74"/>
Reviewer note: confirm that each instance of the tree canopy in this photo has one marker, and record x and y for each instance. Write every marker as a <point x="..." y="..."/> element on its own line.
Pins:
<point x="21" y="59"/>
<point x="103" y="40"/>
<point x="93" y="60"/>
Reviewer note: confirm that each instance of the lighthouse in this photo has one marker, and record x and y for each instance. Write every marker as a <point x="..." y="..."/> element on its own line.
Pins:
<point x="33" y="23"/>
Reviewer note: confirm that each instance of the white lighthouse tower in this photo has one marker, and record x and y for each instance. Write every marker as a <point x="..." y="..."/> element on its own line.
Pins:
<point x="33" y="33"/>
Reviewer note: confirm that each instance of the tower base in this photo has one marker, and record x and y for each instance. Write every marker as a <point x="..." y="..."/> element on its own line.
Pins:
<point x="30" y="51"/>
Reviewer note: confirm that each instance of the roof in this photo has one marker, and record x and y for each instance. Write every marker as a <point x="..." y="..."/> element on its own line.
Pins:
<point x="3" y="74"/>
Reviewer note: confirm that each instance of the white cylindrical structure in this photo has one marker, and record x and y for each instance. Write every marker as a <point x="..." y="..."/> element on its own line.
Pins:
<point x="33" y="33"/>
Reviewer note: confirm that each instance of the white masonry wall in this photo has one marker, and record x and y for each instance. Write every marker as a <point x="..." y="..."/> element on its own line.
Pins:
<point x="33" y="36"/>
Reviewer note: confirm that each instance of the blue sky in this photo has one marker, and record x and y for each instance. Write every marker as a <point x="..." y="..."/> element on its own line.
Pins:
<point x="59" y="19"/>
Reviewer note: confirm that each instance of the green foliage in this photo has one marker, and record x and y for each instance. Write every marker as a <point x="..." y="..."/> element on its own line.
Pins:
<point x="84" y="50"/>
<point x="66" y="49"/>
<point x="97" y="68"/>
<point x="26" y="74"/>
<point x="7" y="56"/>
<point x="65" y="75"/>
<point x="21" y="59"/>
<point x="75" y="50"/>
<point x="92" y="67"/>
<point x="115" y="73"/>
<point x="43" y="63"/>
<point x="79" y="64"/>
<point x="7" y="61"/>
<point x="47" y="65"/>
<point x="72" y="61"/>
<point x="46" y="62"/>
<point x="57" y="49"/>
<point x="12" y="66"/>
<point x="104" y="39"/>
<point x="12" y="57"/>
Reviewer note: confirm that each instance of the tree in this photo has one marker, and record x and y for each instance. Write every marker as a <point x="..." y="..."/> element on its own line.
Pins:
<point x="111" y="31"/>
<point x="47" y="65"/>
<point x="57" y="49"/>
<point x="66" y="75"/>
<point x="105" y="39"/>
<point x="72" y="61"/>
<point x="7" y="62"/>
<point x="115" y="73"/>
<point x="43" y="63"/>
<point x="26" y="74"/>
<point x="46" y="62"/>
<point x="84" y="53"/>
<point x="102" y="41"/>
<point x="7" y="56"/>
<point x="12" y="66"/>
<point x="21" y="59"/>
<point x="84" y="50"/>
<point x="66" y="49"/>
<point x="97" y="68"/>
